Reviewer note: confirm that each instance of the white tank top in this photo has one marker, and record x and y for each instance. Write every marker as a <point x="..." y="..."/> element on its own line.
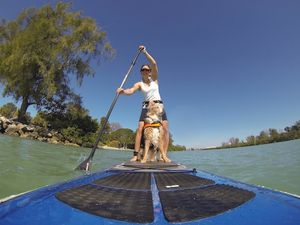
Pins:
<point x="151" y="91"/>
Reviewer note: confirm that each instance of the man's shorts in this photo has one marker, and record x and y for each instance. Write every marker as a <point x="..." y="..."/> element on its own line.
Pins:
<point x="144" y="114"/>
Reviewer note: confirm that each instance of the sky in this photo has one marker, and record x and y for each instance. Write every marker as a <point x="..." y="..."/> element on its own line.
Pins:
<point x="226" y="68"/>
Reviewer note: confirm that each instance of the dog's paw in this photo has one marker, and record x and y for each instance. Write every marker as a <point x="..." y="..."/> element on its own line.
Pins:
<point x="166" y="159"/>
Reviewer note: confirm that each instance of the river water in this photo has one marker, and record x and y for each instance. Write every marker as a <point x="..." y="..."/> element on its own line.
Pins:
<point x="27" y="165"/>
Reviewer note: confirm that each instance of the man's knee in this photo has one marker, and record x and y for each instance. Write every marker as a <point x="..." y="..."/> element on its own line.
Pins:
<point x="165" y="126"/>
<point x="140" y="128"/>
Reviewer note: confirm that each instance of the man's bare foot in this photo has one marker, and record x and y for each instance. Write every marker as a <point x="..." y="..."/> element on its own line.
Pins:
<point x="133" y="159"/>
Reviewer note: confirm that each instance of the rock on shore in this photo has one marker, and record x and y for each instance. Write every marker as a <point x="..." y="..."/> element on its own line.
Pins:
<point x="11" y="127"/>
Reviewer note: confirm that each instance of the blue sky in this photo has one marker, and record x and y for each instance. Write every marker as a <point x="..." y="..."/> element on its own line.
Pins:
<point x="226" y="68"/>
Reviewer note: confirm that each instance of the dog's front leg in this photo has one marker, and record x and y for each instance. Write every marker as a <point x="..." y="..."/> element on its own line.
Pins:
<point x="164" y="155"/>
<point x="152" y="154"/>
<point x="161" y="148"/>
<point x="140" y="154"/>
<point x="145" y="156"/>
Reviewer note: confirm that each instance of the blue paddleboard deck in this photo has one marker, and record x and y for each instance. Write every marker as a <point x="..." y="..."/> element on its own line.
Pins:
<point x="151" y="193"/>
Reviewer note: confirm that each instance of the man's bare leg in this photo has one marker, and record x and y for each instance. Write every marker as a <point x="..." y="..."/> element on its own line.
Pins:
<point x="137" y="144"/>
<point x="165" y="125"/>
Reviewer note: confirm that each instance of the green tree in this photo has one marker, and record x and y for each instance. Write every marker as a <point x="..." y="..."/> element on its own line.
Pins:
<point x="74" y="123"/>
<point x="73" y="116"/>
<point x="114" y="144"/>
<point x="107" y="128"/>
<point x="267" y="136"/>
<point x="234" y="142"/>
<point x="42" y="47"/>
<point x="124" y="136"/>
<point x="177" y="148"/>
<point x="294" y="132"/>
<point x="171" y="141"/>
<point x="89" y="139"/>
<point x="72" y="134"/>
<point x="251" y="140"/>
<point x="296" y="127"/>
<point x="263" y="138"/>
<point x="105" y="139"/>
<point x="274" y="135"/>
<point x="39" y="120"/>
<point x="8" y="110"/>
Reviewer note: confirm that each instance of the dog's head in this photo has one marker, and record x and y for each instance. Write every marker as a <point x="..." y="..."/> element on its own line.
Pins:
<point x="155" y="108"/>
<point x="154" y="113"/>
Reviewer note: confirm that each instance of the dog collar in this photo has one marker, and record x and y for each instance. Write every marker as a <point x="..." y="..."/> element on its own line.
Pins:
<point x="152" y="125"/>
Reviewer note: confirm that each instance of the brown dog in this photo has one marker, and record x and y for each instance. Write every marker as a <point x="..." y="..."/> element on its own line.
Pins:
<point x="154" y="133"/>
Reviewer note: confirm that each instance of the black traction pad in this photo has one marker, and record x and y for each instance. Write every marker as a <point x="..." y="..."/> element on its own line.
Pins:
<point x="127" y="181"/>
<point x="166" y="181"/>
<point x="192" y="204"/>
<point x="128" y="197"/>
<point x="125" y="197"/>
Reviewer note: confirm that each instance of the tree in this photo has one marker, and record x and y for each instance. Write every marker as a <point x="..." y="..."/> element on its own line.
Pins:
<point x="267" y="136"/>
<point x="234" y="142"/>
<point x="42" y="48"/>
<point x="171" y="141"/>
<point x="296" y="127"/>
<point x="107" y="128"/>
<point x="287" y="129"/>
<point x="224" y="144"/>
<point x="251" y="140"/>
<point x="263" y="137"/>
<point x="124" y="136"/>
<point x="39" y="120"/>
<point x="177" y="148"/>
<point x="274" y="135"/>
<point x="73" y="116"/>
<point x="115" y="126"/>
<point x="8" y="110"/>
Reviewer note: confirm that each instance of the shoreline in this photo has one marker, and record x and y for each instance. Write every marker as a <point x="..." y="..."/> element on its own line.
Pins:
<point x="105" y="147"/>
<point x="31" y="132"/>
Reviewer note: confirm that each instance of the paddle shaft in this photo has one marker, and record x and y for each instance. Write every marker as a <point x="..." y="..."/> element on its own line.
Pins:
<point x="85" y="165"/>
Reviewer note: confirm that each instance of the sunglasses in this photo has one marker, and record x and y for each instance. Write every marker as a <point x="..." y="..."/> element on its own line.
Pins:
<point x="145" y="69"/>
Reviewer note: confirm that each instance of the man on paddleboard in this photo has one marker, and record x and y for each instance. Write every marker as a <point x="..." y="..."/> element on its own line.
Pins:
<point x="150" y="89"/>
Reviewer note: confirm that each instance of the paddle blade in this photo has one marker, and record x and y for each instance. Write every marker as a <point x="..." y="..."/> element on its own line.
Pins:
<point x="85" y="165"/>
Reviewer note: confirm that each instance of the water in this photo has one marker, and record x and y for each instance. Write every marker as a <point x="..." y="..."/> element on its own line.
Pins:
<point x="26" y="164"/>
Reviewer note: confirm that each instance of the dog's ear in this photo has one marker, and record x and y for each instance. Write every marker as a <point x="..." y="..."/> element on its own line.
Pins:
<point x="161" y="107"/>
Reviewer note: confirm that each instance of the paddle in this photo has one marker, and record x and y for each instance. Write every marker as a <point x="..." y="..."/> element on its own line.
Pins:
<point x="86" y="164"/>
